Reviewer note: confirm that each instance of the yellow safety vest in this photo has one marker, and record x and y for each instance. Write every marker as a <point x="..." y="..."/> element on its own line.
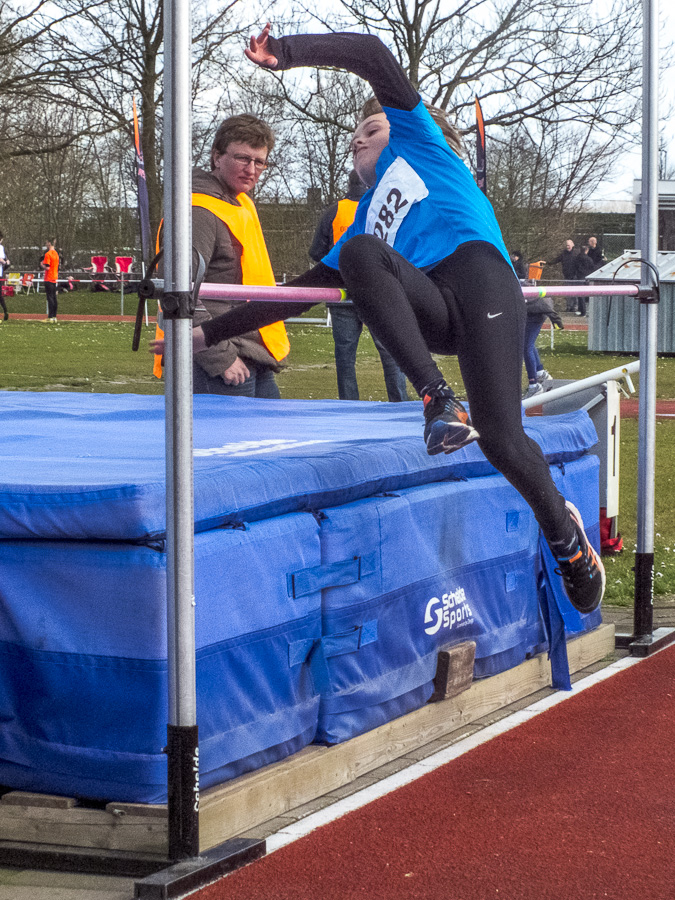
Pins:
<point x="256" y="267"/>
<point x="343" y="218"/>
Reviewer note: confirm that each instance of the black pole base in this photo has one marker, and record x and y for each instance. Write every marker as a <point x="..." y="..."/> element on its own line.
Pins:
<point x="646" y="644"/>
<point x="643" y="611"/>
<point x="191" y="874"/>
<point x="183" y="791"/>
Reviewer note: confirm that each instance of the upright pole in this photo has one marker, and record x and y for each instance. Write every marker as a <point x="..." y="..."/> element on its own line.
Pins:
<point x="183" y="745"/>
<point x="644" y="559"/>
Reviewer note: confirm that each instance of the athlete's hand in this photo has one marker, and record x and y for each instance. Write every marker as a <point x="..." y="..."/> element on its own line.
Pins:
<point x="157" y="347"/>
<point x="237" y="373"/>
<point x="259" y="51"/>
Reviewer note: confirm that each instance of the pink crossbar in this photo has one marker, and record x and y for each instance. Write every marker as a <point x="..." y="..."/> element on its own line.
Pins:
<point x="568" y="290"/>
<point x="282" y="294"/>
<point x="279" y="294"/>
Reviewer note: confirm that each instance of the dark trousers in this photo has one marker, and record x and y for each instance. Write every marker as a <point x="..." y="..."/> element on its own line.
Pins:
<point x="470" y="304"/>
<point x="347" y="327"/>
<point x="532" y="362"/>
<point x="52" y="302"/>
<point x="261" y="383"/>
<point x="574" y="303"/>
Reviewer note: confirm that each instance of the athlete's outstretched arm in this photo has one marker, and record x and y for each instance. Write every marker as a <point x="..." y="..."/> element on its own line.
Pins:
<point x="247" y="317"/>
<point x="250" y="316"/>
<point x="363" y="54"/>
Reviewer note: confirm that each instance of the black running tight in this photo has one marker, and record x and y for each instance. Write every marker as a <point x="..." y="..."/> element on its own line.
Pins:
<point x="470" y="304"/>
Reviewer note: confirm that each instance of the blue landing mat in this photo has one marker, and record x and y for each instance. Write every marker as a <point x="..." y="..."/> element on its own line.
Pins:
<point x="91" y="466"/>
<point x="83" y="690"/>
<point x="306" y="626"/>
<point x="83" y="662"/>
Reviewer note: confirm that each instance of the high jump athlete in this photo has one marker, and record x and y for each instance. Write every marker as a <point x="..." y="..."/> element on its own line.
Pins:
<point x="426" y="266"/>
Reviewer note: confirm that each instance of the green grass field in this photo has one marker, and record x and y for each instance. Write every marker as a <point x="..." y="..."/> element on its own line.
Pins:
<point x="97" y="357"/>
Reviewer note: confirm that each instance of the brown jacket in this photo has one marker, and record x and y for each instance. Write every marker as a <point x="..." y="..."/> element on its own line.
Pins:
<point x="222" y="255"/>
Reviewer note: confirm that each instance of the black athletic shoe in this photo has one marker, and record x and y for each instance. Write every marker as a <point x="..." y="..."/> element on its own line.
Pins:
<point x="583" y="573"/>
<point x="447" y="425"/>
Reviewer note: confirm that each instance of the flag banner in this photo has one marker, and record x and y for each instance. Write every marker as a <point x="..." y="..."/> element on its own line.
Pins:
<point x="481" y="173"/>
<point x="142" y="188"/>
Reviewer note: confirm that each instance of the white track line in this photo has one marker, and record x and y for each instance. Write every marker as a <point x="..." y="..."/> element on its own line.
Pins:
<point x="361" y="798"/>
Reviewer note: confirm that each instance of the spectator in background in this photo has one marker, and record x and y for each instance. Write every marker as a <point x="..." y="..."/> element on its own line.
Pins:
<point x="4" y="264"/>
<point x="584" y="266"/>
<point x="537" y="309"/>
<point x="50" y="264"/>
<point x="227" y="234"/>
<point x="520" y="266"/>
<point x="595" y="253"/>
<point x="346" y="323"/>
<point x="567" y="259"/>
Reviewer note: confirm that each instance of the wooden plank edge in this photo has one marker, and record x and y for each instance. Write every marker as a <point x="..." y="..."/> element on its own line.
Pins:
<point x="83" y="828"/>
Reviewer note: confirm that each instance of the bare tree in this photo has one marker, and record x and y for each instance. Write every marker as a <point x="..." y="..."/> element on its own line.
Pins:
<point x="541" y="67"/>
<point x="539" y="175"/>
<point x="112" y="51"/>
<point x="26" y="74"/>
<point x="556" y="78"/>
<point x="549" y="60"/>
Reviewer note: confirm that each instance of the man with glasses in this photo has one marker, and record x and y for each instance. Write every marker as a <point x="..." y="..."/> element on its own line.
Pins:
<point x="227" y="234"/>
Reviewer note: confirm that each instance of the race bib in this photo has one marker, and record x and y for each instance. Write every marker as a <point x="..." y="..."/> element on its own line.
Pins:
<point x="399" y="188"/>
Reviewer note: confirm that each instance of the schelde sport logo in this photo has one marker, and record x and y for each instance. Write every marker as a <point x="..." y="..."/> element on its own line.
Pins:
<point x="447" y="611"/>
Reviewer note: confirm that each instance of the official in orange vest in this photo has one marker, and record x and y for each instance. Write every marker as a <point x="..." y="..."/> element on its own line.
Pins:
<point x="346" y="323"/>
<point x="226" y="232"/>
<point x="50" y="264"/>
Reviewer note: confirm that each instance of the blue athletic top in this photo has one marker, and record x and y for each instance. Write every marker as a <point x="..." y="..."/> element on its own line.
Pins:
<point x="425" y="202"/>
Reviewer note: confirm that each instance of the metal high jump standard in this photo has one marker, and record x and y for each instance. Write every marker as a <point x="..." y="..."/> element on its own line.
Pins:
<point x="189" y="869"/>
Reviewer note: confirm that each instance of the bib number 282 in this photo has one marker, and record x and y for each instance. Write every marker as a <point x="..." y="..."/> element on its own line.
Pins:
<point x="387" y="213"/>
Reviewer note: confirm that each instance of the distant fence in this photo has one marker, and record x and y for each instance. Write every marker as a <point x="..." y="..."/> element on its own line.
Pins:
<point x="613" y="245"/>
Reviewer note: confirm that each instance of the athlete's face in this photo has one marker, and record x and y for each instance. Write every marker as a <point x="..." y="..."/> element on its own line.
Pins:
<point x="240" y="166"/>
<point x="370" y="139"/>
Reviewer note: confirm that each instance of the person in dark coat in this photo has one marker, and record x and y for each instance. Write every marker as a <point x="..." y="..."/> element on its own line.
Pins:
<point x="520" y="266"/>
<point x="584" y="266"/>
<point x="538" y="309"/>
<point x="595" y="253"/>
<point x="567" y="259"/>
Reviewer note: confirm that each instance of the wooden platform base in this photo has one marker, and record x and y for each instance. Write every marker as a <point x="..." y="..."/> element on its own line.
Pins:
<point x="41" y="821"/>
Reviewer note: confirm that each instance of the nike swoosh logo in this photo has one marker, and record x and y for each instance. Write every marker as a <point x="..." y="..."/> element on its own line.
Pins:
<point x="493" y="315"/>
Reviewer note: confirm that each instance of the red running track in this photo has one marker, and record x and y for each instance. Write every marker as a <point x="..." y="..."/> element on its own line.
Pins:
<point x="577" y="803"/>
<point x="76" y="317"/>
<point x="629" y="410"/>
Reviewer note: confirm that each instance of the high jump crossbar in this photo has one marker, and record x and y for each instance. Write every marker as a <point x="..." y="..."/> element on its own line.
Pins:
<point x="287" y="294"/>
